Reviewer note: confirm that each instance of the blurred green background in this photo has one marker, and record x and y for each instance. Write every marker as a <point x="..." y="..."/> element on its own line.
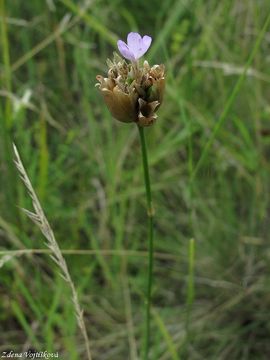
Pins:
<point x="209" y="156"/>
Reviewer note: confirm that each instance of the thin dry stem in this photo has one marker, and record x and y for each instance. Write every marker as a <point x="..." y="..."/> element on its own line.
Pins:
<point x="87" y="252"/>
<point x="39" y="218"/>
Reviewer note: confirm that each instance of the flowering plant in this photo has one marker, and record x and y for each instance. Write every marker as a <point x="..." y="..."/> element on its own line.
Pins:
<point x="133" y="93"/>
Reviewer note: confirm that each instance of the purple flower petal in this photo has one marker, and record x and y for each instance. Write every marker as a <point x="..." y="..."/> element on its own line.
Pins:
<point x="124" y="50"/>
<point x="134" y="41"/>
<point x="145" y="44"/>
<point x="136" y="46"/>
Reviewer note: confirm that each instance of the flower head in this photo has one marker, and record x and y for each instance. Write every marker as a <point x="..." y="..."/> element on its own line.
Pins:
<point x="133" y="93"/>
<point x="136" y="46"/>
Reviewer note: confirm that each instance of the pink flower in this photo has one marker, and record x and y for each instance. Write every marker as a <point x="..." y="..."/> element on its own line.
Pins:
<point x="136" y="46"/>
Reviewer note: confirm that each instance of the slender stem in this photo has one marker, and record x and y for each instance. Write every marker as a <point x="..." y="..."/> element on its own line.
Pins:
<point x="190" y="284"/>
<point x="8" y="181"/>
<point x="6" y="63"/>
<point x="150" y="213"/>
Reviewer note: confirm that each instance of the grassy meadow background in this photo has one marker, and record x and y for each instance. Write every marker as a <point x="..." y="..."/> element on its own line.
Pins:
<point x="209" y="155"/>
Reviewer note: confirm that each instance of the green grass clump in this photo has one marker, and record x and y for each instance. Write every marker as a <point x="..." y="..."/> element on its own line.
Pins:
<point x="209" y="161"/>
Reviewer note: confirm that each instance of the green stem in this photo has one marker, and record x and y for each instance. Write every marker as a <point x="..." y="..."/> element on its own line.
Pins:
<point x="150" y="213"/>
<point x="8" y="180"/>
<point x="190" y="285"/>
<point x="6" y="62"/>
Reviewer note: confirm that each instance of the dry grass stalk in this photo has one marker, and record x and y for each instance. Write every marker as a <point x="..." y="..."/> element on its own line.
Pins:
<point x="39" y="218"/>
